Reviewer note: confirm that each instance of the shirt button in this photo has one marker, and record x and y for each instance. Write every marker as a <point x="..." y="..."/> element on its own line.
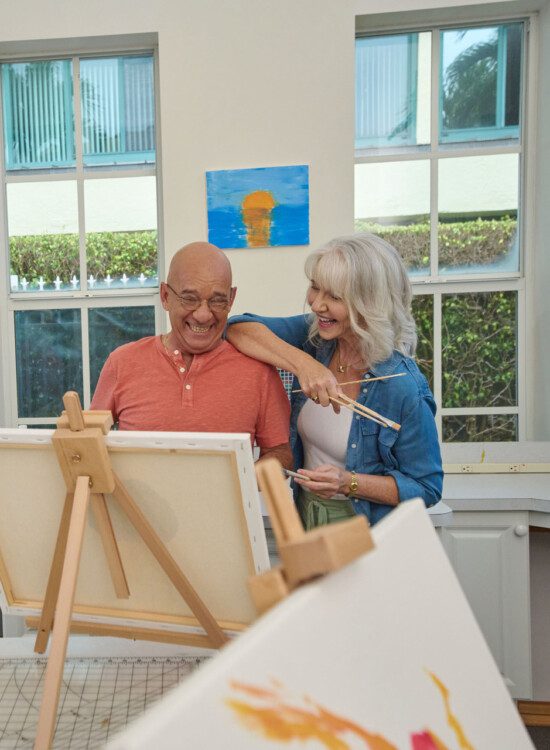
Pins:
<point x="354" y="445"/>
<point x="357" y="416"/>
<point x="188" y="387"/>
<point x="182" y="369"/>
<point x="364" y="390"/>
<point x="176" y="351"/>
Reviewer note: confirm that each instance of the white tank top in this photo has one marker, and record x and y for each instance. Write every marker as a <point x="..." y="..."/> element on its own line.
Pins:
<point x="324" y="435"/>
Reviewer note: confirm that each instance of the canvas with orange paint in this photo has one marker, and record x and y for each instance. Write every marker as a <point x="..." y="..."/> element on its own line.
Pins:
<point x="260" y="207"/>
<point x="384" y="654"/>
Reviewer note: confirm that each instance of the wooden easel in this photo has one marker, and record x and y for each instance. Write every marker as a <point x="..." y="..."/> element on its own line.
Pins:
<point x="304" y="555"/>
<point x="80" y="446"/>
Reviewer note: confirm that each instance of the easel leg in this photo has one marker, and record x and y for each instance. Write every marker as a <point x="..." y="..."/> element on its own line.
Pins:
<point x="56" y="660"/>
<point x="105" y="528"/>
<point x="52" y="590"/>
<point x="169" y="565"/>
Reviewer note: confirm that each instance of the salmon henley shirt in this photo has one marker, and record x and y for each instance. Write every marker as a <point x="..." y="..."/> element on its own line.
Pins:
<point x="148" y="388"/>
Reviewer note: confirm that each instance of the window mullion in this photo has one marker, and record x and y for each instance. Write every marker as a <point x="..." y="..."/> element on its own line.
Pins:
<point x="437" y="364"/>
<point x="501" y="77"/>
<point x="434" y="135"/>
<point x="6" y="327"/>
<point x="79" y="175"/>
<point x="85" y="355"/>
<point x="121" y="107"/>
<point x="521" y="374"/>
<point x="527" y="349"/>
<point x="12" y="406"/>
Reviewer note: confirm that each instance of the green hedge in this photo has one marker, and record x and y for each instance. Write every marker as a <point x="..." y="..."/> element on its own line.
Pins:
<point x="114" y="253"/>
<point x="480" y="241"/>
<point x="479" y="359"/>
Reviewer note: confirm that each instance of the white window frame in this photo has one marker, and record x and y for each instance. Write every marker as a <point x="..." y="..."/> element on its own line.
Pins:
<point x="84" y="299"/>
<point x="521" y="281"/>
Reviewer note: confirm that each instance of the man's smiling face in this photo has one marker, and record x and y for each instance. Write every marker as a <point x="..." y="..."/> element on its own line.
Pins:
<point x="202" y="272"/>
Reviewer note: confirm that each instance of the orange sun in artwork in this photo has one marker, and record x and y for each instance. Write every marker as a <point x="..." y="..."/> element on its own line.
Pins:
<point x="257" y="210"/>
<point x="264" y="711"/>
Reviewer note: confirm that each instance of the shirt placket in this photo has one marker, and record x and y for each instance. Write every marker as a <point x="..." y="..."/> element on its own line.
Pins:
<point x="186" y="376"/>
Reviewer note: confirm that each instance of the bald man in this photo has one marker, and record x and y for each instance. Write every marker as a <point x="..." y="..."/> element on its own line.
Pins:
<point x="191" y="379"/>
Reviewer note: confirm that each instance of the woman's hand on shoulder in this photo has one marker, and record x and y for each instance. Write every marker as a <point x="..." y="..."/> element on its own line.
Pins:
<point x="325" y="480"/>
<point x="318" y="382"/>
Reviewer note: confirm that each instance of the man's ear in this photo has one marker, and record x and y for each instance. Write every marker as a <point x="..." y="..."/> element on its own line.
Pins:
<point x="232" y="296"/>
<point x="164" y="295"/>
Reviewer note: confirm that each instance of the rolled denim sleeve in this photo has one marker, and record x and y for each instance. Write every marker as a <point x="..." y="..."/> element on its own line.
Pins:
<point x="294" y="329"/>
<point x="420" y="472"/>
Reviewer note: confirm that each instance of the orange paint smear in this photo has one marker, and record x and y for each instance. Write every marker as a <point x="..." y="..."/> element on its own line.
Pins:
<point x="277" y="720"/>
<point x="452" y="720"/>
<point x="256" y="692"/>
<point x="282" y="722"/>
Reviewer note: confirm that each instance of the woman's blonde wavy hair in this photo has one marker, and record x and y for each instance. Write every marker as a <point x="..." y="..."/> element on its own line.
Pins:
<point x="367" y="273"/>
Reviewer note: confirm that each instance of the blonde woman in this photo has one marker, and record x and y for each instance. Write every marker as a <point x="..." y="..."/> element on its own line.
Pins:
<point x="360" y="326"/>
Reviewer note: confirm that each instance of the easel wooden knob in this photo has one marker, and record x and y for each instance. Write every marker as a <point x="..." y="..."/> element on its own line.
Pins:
<point x="304" y="555"/>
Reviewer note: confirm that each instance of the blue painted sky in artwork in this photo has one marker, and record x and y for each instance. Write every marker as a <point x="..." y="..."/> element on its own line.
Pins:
<point x="226" y="190"/>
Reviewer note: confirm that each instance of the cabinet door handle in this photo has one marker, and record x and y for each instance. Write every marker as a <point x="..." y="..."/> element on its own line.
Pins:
<point x="521" y="530"/>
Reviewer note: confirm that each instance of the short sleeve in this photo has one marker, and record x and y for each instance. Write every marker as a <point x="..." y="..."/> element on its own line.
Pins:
<point x="104" y="394"/>
<point x="274" y="415"/>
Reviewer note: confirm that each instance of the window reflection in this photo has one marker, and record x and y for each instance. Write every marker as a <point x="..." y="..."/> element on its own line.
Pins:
<point x="48" y="351"/>
<point x="480" y="83"/>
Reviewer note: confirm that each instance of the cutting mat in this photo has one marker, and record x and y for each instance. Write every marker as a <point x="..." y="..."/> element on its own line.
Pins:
<point x="99" y="696"/>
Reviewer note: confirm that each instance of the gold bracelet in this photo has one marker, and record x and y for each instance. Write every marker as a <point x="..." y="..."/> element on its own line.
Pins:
<point x="353" y="484"/>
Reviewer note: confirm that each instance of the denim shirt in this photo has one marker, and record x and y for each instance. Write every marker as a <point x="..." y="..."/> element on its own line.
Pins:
<point x="410" y="455"/>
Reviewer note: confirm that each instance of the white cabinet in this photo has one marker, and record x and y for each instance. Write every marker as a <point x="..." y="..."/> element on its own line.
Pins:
<point x="490" y="555"/>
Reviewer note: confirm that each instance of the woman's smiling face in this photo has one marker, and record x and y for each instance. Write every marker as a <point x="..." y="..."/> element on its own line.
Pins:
<point x="331" y="311"/>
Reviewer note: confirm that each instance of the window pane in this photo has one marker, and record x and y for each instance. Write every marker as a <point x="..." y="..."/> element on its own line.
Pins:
<point x="479" y="349"/>
<point x="392" y="90"/>
<point x="423" y="311"/>
<point x="478" y="209"/>
<point x="43" y="236"/>
<point x="480" y="83"/>
<point x="121" y="232"/>
<point x="478" y="428"/>
<point x="118" y="110"/>
<point x="392" y="199"/>
<point x="110" y="327"/>
<point x="48" y="357"/>
<point x="37" y="100"/>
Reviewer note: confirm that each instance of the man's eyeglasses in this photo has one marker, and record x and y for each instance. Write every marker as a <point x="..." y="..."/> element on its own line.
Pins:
<point x="191" y="302"/>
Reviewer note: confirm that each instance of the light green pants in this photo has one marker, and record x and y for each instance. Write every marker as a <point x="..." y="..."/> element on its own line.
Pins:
<point x="316" y="511"/>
